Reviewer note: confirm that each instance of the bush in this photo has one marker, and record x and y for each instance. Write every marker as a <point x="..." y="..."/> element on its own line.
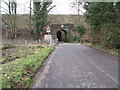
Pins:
<point x="73" y="38"/>
<point x="81" y="29"/>
<point x="104" y="20"/>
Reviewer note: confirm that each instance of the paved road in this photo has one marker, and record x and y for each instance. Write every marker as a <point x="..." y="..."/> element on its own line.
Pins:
<point x="78" y="66"/>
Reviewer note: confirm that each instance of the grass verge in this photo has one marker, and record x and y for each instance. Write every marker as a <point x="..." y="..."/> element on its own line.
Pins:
<point x="110" y="51"/>
<point x="18" y="73"/>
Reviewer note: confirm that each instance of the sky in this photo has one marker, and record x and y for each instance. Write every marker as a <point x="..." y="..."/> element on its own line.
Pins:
<point x="62" y="7"/>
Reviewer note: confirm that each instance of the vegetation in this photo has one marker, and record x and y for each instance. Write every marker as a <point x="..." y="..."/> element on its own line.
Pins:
<point x="40" y="20"/>
<point x="6" y="45"/>
<point x="73" y="38"/>
<point x="81" y="29"/>
<point x="104" y="20"/>
<point x="110" y="51"/>
<point x="11" y="12"/>
<point x="19" y="67"/>
<point x="40" y="17"/>
<point x="18" y="73"/>
<point x="30" y="14"/>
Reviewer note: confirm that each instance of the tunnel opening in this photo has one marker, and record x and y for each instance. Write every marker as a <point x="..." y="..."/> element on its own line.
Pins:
<point x="59" y="36"/>
<point x="62" y="35"/>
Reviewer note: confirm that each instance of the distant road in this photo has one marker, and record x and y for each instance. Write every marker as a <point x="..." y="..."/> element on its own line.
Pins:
<point x="78" y="66"/>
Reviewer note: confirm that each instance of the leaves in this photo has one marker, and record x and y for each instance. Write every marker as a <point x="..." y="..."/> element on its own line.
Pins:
<point x="41" y="10"/>
<point x="103" y="18"/>
<point x="81" y="29"/>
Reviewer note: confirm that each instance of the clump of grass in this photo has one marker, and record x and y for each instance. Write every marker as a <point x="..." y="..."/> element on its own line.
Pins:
<point x="18" y="73"/>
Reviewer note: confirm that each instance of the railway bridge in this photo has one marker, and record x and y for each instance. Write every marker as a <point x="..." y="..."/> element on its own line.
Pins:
<point x="61" y="31"/>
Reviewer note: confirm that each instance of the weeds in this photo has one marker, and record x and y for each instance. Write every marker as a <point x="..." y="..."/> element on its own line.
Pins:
<point x="18" y="73"/>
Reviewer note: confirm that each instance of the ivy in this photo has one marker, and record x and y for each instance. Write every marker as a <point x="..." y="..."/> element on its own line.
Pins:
<point x="40" y="17"/>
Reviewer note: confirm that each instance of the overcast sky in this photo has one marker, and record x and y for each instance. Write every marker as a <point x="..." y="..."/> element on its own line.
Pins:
<point x="62" y="7"/>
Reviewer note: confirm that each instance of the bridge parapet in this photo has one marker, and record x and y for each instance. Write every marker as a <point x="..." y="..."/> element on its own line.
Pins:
<point x="62" y="26"/>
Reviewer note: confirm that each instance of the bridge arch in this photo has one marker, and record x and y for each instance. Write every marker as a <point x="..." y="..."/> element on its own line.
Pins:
<point x="62" y="35"/>
<point x="61" y="31"/>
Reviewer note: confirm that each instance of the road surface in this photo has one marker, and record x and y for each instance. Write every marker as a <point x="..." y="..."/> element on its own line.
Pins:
<point x="78" y="66"/>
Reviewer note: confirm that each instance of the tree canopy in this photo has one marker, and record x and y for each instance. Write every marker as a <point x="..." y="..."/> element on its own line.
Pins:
<point x="41" y="10"/>
<point x="104" y="19"/>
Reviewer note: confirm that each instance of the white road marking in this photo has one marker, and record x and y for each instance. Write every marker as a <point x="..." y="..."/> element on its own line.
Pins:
<point x="105" y="73"/>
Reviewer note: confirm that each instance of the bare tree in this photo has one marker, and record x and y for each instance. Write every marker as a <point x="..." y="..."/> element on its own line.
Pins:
<point x="78" y="6"/>
<point x="13" y="20"/>
<point x="11" y="13"/>
<point x="30" y="15"/>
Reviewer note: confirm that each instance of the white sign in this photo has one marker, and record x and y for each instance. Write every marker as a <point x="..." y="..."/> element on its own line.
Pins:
<point x="47" y="37"/>
<point x="48" y="29"/>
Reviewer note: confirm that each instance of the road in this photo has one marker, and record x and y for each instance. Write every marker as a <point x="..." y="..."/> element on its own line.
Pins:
<point x="78" y="66"/>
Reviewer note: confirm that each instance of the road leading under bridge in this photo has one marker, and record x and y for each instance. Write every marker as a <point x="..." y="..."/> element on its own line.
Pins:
<point x="78" y="66"/>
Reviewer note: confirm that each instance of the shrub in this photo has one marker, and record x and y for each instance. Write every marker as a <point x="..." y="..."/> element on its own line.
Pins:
<point x="81" y="29"/>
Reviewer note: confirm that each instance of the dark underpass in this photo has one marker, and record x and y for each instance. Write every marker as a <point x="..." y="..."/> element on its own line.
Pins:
<point x="62" y="35"/>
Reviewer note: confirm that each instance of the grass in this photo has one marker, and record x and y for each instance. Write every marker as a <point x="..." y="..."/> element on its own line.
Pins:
<point x="18" y="52"/>
<point x="0" y="77"/>
<point x="18" y="73"/>
<point x="1" y="60"/>
<point x="110" y="51"/>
